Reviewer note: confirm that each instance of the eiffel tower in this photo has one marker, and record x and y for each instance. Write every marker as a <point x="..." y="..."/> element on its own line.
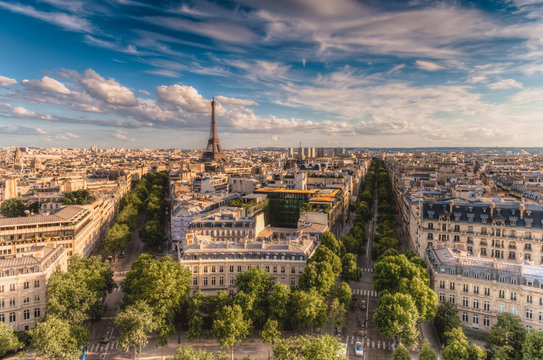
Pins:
<point x="214" y="149"/>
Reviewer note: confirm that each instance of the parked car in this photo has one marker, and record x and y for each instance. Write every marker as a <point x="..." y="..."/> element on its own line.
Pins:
<point x="121" y="255"/>
<point x="358" y="350"/>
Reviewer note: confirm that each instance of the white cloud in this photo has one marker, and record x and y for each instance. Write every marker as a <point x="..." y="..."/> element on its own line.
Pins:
<point x="108" y="90"/>
<point x="505" y="84"/>
<point x="164" y="72"/>
<point x="235" y="102"/>
<point x="144" y="92"/>
<point x="66" y="21"/>
<point x="21" y="111"/>
<point x="182" y="97"/>
<point x="46" y="84"/>
<point x="428" y="65"/>
<point x="5" y="81"/>
<point x="120" y="135"/>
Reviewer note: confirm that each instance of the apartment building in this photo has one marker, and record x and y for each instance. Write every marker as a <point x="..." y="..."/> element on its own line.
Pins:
<point x="226" y="225"/>
<point x="482" y="288"/>
<point x="501" y="230"/>
<point x="214" y="265"/>
<point x="23" y="279"/>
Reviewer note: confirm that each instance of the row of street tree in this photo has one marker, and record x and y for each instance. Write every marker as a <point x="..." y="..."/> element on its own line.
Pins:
<point x="147" y="198"/>
<point x="401" y="279"/>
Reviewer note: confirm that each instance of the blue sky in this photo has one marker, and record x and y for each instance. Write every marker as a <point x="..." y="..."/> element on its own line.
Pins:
<point x="129" y="73"/>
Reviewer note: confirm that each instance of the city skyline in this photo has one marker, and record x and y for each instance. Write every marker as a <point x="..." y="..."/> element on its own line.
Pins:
<point x="347" y="73"/>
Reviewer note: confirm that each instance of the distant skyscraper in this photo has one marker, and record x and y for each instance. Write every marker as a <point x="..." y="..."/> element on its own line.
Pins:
<point x="214" y="149"/>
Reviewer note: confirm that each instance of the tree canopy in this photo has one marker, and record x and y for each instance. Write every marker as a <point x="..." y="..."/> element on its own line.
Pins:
<point x="8" y="340"/>
<point x="324" y="347"/>
<point x="397" y="314"/>
<point x="507" y="335"/>
<point x="532" y="349"/>
<point x="12" y="208"/>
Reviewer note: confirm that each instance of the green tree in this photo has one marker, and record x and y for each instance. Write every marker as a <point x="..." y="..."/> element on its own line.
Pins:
<point x="116" y="239"/>
<point x="189" y="353"/>
<point x="319" y="276"/>
<point x="459" y="347"/>
<point x="152" y="233"/>
<point x="391" y="270"/>
<point x="396" y="314"/>
<point x="401" y="353"/>
<point x="278" y="304"/>
<point x="68" y="299"/>
<point x="12" y="208"/>
<point x="134" y="323"/>
<point x="229" y="327"/>
<point x="324" y="254"/>
<point x="446" y="319"/>
<point x="254" y="285"/>
<point x="508" y="333"/>
<point x="163" y="284"/>
<point x="344" y="294"/>
<point x="425" y="298"/>
<point x="329" y="240"/>
<point x="308" y="309"/>
<point x="8" y="340"/>
<point x="54" y="339"/>
<point x="324" y="347"/>
<point x="426" y="352"/>
<point x="533" y="345"/>
<point x="128" y="216"/>
<point x="336" y="313"/>
<point x="349" y="270"/>
<point x="270" y="333"/>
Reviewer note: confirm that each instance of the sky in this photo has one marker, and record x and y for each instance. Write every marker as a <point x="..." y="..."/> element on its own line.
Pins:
<point x="131" y="73"/>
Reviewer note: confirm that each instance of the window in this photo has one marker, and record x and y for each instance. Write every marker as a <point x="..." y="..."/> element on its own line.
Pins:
<point x="205" y="280"/>
<point x="11" y="287"/>
<point x="466" y="287"/>
<point x="465" y="317"/>
<point x="442" y="284"/>
<point x="2" y="303"/>
<point x="11" y="302"/>
<point x="26" y="314"/>
<point x="12" y="317"/>
<point x="3" y="318"/>
<point x="430" y="236"/>
<point x="26" y="300"/>
<point x="239" y="268"/>
<point x="195" y="281"/>
<point x="221" y="268"/>
<point x="293" y="269"/>
<point x="292" y="281"/>
<point x="283" y="270"/>
<point x="221" y="280"/>
<point x="486" y="321"/>
<point x="487" y="291"/>
<point x="483" y="251"/>
<point x="26" y="285"/>
<point x="441" y="297"/>
<point x="213" y="281"/>
<point x="476" y="289"/>
<point x="475" y="320"/>
<point x="451" y="299"/>
<point x="213" y="269"/>
<point x="486" y="305"/>
<point x="1" y="288"/>
<point x="501" y="308"/>
<point x="476" y="303"/>
<point x="37" y="312"/>
<point x="37" y="298"/>
<point x="267" y="268"/>
<point x="513" y="296"/>
<point x="541" y="316"/>
<point x="529" y="314"/>
<point x="430" y="226"/>
<point x="529" y="299"/>
<point x="465" y="301"/>
<point x="513" y="310"/>
<point x="232" y="268"/>
<point x="451" y="286"/>
<point x="501" y="294"/>
<point x="232" y="280"/>
<point x="205" y="269"/>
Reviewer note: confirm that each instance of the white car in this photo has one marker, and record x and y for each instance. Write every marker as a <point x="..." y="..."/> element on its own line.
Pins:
<point x="358" y="350"/>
